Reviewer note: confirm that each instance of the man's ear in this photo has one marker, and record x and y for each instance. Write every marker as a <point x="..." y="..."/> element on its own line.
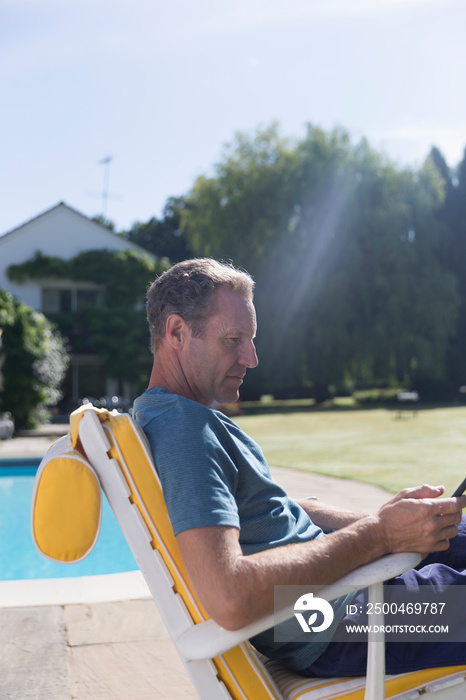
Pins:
<point x="176" y="330"/>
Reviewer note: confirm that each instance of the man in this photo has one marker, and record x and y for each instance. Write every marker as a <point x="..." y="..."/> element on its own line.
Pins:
<point x="238" y="532"/>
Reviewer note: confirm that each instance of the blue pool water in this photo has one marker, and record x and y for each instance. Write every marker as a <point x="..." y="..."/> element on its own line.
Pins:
<point x="19" y="559"/>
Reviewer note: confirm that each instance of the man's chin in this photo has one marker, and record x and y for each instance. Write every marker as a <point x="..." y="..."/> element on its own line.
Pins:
<point x="229" y="397"/>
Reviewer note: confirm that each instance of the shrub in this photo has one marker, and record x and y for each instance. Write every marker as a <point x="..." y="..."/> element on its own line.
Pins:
<point x="33" y="362"/>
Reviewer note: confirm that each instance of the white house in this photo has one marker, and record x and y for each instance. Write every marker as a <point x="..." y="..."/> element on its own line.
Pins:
<point x="62" y="232"/>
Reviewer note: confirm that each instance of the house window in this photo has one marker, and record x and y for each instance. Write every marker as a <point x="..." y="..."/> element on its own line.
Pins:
<point x="56" y="301"/>
<point x="62" y="301"/>
<point x="87" y="296"/>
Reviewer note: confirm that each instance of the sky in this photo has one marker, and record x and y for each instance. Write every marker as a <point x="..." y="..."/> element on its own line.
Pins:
<point x="161" y="87"/>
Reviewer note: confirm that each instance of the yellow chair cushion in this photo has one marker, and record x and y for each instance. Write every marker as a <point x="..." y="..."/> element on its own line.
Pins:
<point x="295" y="687"/>
<point x="66" y="505"/>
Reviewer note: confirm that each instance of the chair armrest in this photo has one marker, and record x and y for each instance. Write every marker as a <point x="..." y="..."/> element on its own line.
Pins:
<point x="207" y="639"/>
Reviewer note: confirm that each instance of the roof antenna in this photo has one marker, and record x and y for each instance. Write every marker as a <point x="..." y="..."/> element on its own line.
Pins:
<point x="106" y="163"/>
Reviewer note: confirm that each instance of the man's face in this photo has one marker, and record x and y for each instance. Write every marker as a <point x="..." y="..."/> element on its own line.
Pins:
<point x="216" y="363"/>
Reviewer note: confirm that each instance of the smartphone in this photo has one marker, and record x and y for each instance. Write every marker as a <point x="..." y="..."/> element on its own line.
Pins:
<point x="460" y="490"/>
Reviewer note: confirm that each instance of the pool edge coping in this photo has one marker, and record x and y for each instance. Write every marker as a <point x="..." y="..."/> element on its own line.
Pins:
<point x="78" y="590"/>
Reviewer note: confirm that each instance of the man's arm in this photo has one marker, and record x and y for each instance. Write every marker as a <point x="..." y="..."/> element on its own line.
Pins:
<point x="236" y="589"/>
<point x="329" y="517"/>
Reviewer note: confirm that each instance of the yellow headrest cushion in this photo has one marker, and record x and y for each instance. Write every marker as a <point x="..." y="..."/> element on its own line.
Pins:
<point x="66" y="504"/>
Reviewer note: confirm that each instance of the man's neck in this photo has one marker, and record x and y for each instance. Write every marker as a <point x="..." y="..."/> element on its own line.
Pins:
<point x="165" y="376"/>
<point x="160" y="377"/>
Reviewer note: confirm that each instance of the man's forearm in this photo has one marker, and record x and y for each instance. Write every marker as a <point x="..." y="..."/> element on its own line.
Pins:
<point x="237" y="589"/>
<point x="329" y="517"/>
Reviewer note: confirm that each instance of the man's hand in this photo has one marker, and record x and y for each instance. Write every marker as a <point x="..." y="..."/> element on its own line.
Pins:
<point x="417" y="520"/>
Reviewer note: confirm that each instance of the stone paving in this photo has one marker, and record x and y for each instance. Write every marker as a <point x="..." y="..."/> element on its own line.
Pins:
<point x="116" y="650"/>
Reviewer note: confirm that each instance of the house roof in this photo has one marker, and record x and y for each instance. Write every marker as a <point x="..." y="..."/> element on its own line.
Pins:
<point x="62" y="206"/>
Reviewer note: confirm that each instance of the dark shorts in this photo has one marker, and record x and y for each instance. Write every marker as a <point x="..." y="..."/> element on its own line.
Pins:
<point x="438" y="570"/>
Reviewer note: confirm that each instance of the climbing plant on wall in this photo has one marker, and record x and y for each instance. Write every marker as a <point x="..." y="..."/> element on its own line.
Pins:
<point x="115" y="329"/>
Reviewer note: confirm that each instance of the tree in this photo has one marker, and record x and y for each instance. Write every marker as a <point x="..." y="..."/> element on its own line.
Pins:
<point x="34" y="362"/>
<point x="410" y="300"/>
<point x="453" y="252"/>
<point x="344" y="247"/>
<point x="163" y="238"/>
<point x="103" y="221"/>
<point x="240" y="211"/>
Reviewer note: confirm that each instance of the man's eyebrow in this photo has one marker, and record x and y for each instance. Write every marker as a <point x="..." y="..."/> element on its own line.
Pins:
<point x="235" y="329"/>
<point x="238" y="331"/>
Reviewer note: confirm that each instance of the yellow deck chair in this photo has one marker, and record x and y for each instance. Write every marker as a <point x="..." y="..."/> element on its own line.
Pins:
<point x="109" y="450"/>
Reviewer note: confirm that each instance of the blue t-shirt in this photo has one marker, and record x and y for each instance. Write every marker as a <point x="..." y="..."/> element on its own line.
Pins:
<point x="212" y="473"/>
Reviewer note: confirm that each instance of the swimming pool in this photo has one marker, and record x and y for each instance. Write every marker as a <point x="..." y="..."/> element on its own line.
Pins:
<point x="19" y="559"/>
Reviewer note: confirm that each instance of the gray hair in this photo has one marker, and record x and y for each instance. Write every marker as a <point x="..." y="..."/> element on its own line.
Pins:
<point x="187" y="289"/>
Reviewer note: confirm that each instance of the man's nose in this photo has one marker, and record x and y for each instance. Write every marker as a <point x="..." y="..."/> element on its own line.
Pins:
<point x="249" y="356"/>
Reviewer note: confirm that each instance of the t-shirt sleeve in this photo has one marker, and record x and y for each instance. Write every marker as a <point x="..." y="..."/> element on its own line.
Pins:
<point x="198" y="474"/>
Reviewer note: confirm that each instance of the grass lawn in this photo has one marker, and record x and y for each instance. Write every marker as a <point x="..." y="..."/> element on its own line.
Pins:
<point x="368" y="445"/>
